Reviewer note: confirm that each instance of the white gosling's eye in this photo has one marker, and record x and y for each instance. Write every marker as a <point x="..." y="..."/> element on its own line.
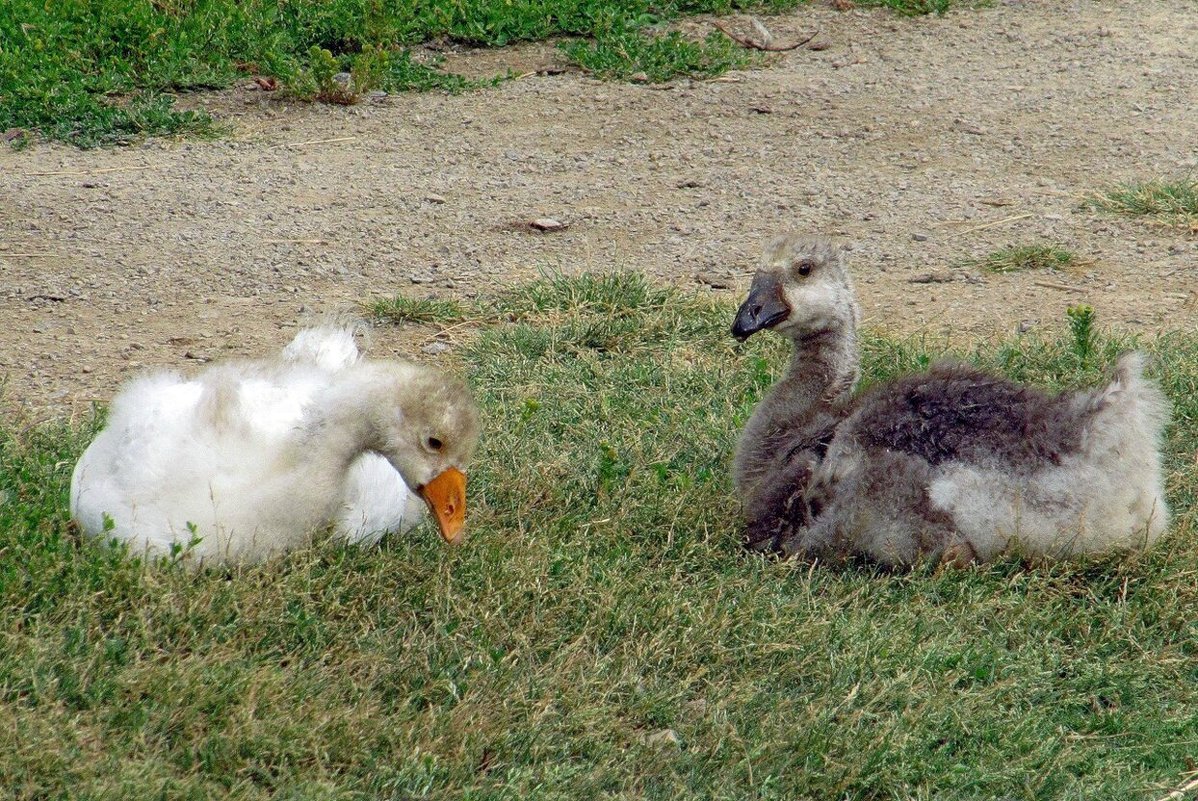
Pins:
<point x="434" y="444"/>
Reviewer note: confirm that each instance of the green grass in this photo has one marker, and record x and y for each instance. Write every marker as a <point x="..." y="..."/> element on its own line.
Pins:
<point x="94" y="72"/>
<point x="631" y="54"/>
<point x="601" y="635"/>
<point x="417" y="310"/>
<point x="1170" y="202"/>
<point x="1018" y="258"/>
<point x="916" y="8"/>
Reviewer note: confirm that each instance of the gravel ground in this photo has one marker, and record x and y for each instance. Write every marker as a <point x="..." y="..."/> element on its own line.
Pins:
<point x="922" y="143"/>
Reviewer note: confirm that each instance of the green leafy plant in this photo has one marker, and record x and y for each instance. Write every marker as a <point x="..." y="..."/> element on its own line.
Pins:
<point x="1081" y="326"/>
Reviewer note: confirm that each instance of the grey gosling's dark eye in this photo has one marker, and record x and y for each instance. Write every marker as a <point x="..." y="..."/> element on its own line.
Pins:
<point x="435" y="444"/>
<point x="804" y="267"/>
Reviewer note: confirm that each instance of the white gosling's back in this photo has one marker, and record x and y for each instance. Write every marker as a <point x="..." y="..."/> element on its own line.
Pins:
<point x="250" y="458"/>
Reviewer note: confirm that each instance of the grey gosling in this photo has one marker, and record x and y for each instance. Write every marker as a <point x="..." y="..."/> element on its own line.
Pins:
<point x="951" y="464"/>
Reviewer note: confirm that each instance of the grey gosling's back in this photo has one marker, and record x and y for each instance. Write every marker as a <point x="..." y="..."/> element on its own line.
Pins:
<point x="952" y="464"/>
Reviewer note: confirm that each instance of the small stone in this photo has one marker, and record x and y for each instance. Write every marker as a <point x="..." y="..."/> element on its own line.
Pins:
<point x="434" y="199"/>
<point x="931" y="278"/>
<point x="712" y="280"/>
<point x="434" y="348"/>
<point x="920" y="237"/>
<point x="663" y="737"/>
<point x="420" y="279"/>
<point x="547" y="224"/>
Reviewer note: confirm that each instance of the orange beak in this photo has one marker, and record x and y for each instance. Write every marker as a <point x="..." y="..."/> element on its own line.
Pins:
<point x="446" y="499"/>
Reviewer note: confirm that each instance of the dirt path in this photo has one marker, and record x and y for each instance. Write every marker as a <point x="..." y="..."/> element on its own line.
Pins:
<point x="924" y="142"/>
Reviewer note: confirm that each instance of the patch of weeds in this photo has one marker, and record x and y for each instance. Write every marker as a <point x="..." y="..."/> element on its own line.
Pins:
<point x="1026" y="257"/>
<point x="344" y="80"/>
<point x="632" y="54"/>
<point x="917" y="8"/>
<point x="418" y="310"/>
<point x="404" y="74"/>
<point x="1081" y="325"/>
<point x="89" y="121"/>
<point x="1170" y="202"/>
<point x="609" y="295"/>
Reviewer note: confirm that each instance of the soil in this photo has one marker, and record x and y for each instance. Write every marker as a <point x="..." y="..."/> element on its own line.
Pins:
<point x="922" y="143"/>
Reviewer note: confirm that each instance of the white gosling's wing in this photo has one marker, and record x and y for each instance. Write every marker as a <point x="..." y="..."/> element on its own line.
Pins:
<point x="377" y="502"/>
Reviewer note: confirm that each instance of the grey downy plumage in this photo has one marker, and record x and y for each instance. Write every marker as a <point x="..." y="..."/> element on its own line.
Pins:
<point x="952" y="464"/>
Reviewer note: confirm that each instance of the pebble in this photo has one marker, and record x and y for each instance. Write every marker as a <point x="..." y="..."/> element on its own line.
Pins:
<point x="713" y="280"/>
<point x="663" y="737"/>
<point x="547" y="224"/>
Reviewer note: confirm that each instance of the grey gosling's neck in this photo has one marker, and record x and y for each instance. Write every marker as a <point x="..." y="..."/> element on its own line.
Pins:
<point x="801" y="410"/>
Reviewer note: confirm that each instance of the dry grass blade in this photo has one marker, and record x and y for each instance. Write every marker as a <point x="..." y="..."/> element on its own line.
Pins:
<point x="316" y="142"/>
<point x="1182" y="791"/>
<point x="984" y="226"/>
<point x="97" y="171"/>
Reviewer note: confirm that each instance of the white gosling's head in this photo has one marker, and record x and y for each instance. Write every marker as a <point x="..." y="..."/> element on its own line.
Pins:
<point x="428" y="429"/>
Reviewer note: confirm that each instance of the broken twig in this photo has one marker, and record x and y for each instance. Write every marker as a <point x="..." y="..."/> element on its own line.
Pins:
<point x="100" y="171"/>
<point x="1055" y="285"/>
<point x="316" y="142"/>
<point x="767" y="45"/>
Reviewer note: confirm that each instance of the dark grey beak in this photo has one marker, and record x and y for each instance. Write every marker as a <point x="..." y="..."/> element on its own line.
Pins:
<point x="764" y="308"/>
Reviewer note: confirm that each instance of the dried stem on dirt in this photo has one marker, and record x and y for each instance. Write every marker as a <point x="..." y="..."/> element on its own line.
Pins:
<point x="1055" y="285"/>
<point x="100" y="171"/>
<point x="988" y="225"/>
<point x="317" y="141"/>
<point x="766" y="46"/>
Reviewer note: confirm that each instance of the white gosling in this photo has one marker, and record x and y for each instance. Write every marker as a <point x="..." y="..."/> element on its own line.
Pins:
<point x="247" y="459"/>
<point x="952" y="463"/>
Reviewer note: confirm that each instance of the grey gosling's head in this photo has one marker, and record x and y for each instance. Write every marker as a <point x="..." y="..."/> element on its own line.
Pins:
<point x="801" y="288"/>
